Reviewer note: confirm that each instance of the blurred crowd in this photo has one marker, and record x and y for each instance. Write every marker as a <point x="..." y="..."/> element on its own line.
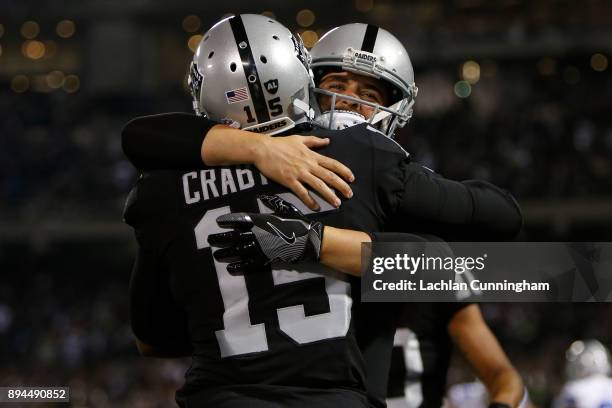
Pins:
<point x="536" y="135"/>
<point x="64" y="322"/>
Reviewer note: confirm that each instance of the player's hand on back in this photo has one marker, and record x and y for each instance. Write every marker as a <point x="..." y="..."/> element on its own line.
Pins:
<point x="258" y="239"/>
<point x="290" y="162"/>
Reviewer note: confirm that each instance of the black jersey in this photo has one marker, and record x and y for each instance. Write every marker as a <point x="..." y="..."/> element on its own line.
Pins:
<point x="290" y="326"/>
<point x="259" y="328"/>
<point x="286" y="326"/>
<point x="421" y="354"/>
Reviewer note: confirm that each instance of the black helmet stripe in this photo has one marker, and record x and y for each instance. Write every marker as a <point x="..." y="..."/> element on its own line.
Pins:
<point x="369" y="39"/>
<point x="250" y="69"/>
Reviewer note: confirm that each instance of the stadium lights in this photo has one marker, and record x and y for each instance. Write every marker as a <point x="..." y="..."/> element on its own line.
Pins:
<point x="192" y="23"/>
<point x="463" y="89"/>
<point x="310" y="38"/>
<point x="305" y="18"/>
<point x="471" y="72"/>
<point x="599" y="62"/>
<point x="33" y="49"/>
<point x="65" y="28"/>
<point x="30" y="30"/>
<point x="55" y="79"/>
<point x="194" y="41"/>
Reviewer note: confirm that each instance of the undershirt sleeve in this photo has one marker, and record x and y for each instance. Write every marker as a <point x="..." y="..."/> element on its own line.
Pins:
<point x="165" y="141"/>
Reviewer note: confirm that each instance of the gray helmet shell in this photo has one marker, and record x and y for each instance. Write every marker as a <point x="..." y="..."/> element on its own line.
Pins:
<point x="248" y="71"/>
<point x="585" y="358"/>
<point x="368" y="50"/>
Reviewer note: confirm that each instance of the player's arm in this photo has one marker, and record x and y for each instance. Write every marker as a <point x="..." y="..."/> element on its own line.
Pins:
<point x="420" y="200"/>
<point x="341" y="249"/>
<point x="288" y="236"/>
<point x="159" y="325"/>
<point x="185" y="141"/>
<point x="483" y="352"/>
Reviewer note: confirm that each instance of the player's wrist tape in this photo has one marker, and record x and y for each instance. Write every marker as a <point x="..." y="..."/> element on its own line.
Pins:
<point x="499" y="405"/>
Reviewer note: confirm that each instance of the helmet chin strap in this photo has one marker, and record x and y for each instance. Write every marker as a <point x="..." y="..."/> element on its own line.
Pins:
<point x="381" y="117"/>
<point x="339" y="119"/>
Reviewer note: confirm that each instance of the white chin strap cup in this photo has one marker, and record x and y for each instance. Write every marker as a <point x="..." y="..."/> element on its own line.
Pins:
<point x="303" y="106"/>
<point x="339" y="119"/>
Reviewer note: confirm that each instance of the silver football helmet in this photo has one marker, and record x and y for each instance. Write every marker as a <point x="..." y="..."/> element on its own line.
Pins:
<point x="250" y="72"/>
<point x="585" y="358"/>
<point x="366" y="50"/>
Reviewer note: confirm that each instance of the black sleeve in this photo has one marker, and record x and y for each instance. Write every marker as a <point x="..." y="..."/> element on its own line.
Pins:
<point x="403" y="237"/>
<point x="155" y="318"/>
<point x="165" y="141"/>
<point x="420" y="200"/>
<point x="416" y="244"/>
<point x="446" y="310"/>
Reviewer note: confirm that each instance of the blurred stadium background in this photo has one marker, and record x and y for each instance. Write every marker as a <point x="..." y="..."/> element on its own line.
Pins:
<point x="513" y="91"/>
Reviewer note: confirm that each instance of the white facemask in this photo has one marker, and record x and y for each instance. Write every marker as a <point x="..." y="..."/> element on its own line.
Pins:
<point x="339" y="119"/>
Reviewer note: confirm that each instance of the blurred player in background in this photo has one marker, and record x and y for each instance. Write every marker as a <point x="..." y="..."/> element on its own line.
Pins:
<point x="424" y="344"/>
<point x="469" y="394"/>
<point x="587" y="371"/>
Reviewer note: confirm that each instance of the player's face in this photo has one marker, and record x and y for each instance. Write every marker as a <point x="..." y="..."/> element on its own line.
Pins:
<point x="358" y="86"/>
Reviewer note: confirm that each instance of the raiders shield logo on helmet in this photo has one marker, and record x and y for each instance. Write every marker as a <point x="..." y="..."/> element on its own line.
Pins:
<point x="271" y="86"/>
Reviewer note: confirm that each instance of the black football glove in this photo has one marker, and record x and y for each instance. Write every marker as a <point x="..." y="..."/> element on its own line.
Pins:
<point x="258" y="239"/>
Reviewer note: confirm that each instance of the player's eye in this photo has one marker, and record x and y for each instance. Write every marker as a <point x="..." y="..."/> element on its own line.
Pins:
<point x="371" y="96"/>
<point x="335" y="86"/>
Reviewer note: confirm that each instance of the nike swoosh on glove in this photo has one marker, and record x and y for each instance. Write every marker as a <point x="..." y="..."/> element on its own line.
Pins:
<point x="258" y="239"/>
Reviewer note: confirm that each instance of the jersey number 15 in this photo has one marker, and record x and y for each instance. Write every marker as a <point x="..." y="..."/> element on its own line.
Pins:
<point x="239" y="335"/>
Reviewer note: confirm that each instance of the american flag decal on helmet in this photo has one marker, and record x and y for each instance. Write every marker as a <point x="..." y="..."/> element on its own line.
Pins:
<point x="237" y="95"/>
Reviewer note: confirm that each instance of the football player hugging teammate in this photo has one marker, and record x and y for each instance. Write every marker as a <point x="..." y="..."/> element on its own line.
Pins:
<point x="248" y="260"/>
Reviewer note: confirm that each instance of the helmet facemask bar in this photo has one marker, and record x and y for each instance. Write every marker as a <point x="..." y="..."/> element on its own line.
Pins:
<point x="389" y="117"/>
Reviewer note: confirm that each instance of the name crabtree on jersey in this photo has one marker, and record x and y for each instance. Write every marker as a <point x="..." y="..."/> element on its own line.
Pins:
<point x="206" y="184"/>
<point x="384" y="199"/>
<point x="284" y="326"/>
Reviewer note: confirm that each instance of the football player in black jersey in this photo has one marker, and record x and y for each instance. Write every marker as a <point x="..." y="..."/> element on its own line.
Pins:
<point x="158" y="200"/>
<point x="433" y="323"/>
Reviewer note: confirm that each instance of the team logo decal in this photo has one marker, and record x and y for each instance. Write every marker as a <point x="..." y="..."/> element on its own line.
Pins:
<point x="195" y="80"/>
<point x="271" y="86"/>
<point x="237" y="95"/>
<point x="300" y="51"/>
